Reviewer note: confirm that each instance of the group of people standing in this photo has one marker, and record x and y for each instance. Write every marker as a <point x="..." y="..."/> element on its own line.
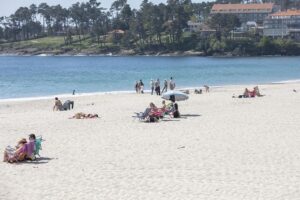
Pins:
<point x="155" y="86"/>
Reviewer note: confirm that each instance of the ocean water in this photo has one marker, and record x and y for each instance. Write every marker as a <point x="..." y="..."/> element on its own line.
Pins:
<point x="34" y="76"/>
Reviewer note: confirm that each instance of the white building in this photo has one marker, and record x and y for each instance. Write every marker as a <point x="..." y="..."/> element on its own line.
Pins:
<point x="283" y="24"/>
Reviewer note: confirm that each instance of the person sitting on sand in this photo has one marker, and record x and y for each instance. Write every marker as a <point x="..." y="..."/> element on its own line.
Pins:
<point x="164" y="105"/>
<point x="252" y="93"/>
<point x="176" y="113"/>
<point x="84" y="116"/>
<point x="30" y="147"/>
<point x="15" y="154"/>
<point x="246" y="93"/>
<point x="57" y="105"/>
<point x="153" y="108"/>
<point x="148" y="111"/>
<point x="198" y="91"/>
<point x="257" y="92"/>
<point x="24" y="150"/>
<point x="68" y="105"/>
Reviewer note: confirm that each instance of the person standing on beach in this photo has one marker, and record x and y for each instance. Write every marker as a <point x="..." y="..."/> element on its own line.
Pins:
<point x="136" y="87"/>
<point x="152" y="86"/>
<point x="141" y="87"/>
<point x="165" y="88"/>
<point x="157" y="87"/>
<point x="172" y="84"/>
<point x="206" y="88"/>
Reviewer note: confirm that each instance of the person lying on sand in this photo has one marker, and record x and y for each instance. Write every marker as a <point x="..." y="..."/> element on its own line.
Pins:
<point x="84" y="116"/>
<point x="249" y="94"/>
<point x="198" y="91"/>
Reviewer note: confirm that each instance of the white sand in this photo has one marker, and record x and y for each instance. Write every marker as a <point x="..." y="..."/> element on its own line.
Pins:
<point x="225" y="148"/>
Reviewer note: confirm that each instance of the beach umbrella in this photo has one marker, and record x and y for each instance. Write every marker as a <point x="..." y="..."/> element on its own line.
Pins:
<point x="179" y="96"/>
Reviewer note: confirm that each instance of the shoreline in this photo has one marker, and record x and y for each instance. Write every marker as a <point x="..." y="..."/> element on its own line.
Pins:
<point x="87" y="94"/>
<point x="171" y="54"/>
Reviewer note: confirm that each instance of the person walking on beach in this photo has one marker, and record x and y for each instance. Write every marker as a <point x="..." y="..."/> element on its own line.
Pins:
<point x="165" y="88"/>
<point x="152" y="86"/>
<point x="157" y="87"/>
<point x="141" y="86"/>
<point x="136" y="87"/>
<point x="206" y="88"/>
<point x="172" y="84"/>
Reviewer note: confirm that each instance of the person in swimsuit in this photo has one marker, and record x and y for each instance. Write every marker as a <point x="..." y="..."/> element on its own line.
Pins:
<point x="57" y="105"/>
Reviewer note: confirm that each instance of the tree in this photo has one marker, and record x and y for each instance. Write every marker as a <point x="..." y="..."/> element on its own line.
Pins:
<point x="1" y="33"/>
<point x="223" y="24"/>
<point x="45" y="11"/>
<point x="267" y="47"/>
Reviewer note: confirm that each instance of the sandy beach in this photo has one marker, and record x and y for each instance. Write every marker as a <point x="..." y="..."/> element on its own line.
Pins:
<point x="222" y="148"/>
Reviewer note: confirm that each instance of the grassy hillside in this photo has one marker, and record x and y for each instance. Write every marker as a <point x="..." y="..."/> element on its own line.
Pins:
<point x="55" y="45"/>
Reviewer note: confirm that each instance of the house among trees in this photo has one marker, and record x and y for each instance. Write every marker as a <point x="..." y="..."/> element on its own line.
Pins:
<point x="255" y="12"/>
<point x="194" y="26"/>
<point x="283" y="24"/>
<point x="116" y="34"/>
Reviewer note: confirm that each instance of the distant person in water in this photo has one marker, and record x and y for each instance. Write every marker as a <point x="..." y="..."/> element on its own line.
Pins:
<point x="165" y="88"/>
<point x="73" y="92"/>
<point x="57" y="105"/>
<point x="172" y="84"/>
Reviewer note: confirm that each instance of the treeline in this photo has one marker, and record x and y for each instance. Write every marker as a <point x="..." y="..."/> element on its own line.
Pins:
<point x="145" y="25"/>
<point x="248" y="47"/>
<point x="150" y="28"/>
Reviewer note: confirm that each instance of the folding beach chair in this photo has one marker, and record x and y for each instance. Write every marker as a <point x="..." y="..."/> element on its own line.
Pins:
<point x="38" y="145"/>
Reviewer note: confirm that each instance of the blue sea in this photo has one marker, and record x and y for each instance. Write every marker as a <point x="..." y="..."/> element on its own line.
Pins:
<point x="36" y="76"/>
